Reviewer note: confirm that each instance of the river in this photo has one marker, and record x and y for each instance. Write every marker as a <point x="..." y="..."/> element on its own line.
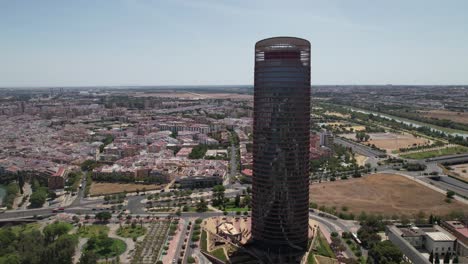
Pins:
<point x="408" y="122"/>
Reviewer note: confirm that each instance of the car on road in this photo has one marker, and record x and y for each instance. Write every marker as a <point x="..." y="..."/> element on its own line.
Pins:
<point x="60" y="209"/>
<point x="3" y="209"/>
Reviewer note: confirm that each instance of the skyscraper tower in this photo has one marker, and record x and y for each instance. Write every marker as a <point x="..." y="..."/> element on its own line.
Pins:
<point x="280" y="198"/>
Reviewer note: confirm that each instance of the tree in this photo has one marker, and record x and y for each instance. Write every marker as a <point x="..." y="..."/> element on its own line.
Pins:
<point x="447" y="258"/>
<point x="368" y="231"/>
<point x="450" y="194"/>
<point x="385" y="252"/>
<point x="53" y="231"/>
<point x="437" y="260"/>
<point x="237" y="200"/>
<point x="11" y="259"/>
<point x="431" y="257"/>
<point x="38" y="198"/>
<point x="103" y="216"/>
<point x="366" y="137"/>
<point x="455" y="260"/>
<point x="218" y="196"/>
<point x="362" y="217"/>
<point x="246" y="201"/>
<point x="89" y="165"/>
<point x="420" y="218"/>
<point x="202" y="206"/>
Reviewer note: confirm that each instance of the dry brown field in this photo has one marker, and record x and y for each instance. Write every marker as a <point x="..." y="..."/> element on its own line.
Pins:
<point x="103" y="188"/>
<point x="461" y="170"/>
<point x="385" y="194"/>
<point x="460" y="117"/>
<point x="392" y="141"/>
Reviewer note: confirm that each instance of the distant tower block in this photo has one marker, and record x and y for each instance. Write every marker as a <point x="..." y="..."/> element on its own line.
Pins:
<point x="280" y="199"/>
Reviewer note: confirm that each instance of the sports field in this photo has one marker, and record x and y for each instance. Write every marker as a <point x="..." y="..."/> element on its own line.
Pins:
<point x="386" y="194"/>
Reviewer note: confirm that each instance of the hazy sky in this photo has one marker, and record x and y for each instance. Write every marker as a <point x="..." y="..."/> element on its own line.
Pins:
<point x="193" y="42"/>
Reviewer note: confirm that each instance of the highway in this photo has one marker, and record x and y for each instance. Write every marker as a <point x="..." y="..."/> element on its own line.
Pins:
<point x="447" y="183"/>
<point x="337" y="226"/>
<point x="358" y="148"/>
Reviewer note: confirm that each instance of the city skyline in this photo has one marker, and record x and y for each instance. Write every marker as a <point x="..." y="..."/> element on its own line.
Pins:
<point x="123" y="43"/>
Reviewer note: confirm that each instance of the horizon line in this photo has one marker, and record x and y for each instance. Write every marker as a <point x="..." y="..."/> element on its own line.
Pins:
<point x="204" y="85"/>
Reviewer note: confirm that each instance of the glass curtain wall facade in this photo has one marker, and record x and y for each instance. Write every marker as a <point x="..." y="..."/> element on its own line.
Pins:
<point x="280" y="189"/>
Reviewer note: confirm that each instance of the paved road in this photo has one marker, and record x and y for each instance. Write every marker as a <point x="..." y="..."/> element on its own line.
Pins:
<point x="181" y="241"/>
<point x="358" y="148"/>
<point x="201" y="258"/>
<point x="135" y="206"/>
<point x="79" y="199"/>
<point x="447" y="183"/>
<point x="188" y="249"/>
<point x="334" y="226"/>
<point x="233" y="166"/>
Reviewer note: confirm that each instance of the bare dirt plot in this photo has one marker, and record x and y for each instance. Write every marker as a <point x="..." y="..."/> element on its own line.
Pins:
<point x="385" y="194"/>
<point x="102" y="188"/>
<point x="461" y="170"/>
<point x="392" y="141"/>
<point x="360" y="159"/>
<point x="460" y="117"/>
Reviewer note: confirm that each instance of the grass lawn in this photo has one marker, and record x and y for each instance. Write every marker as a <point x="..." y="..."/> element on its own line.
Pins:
<point x="24" y="228"/>
<point x="436" y="153"/>
<point x="310" y="258"/>
<point x="237" y="209"/>
<point x="219" y="253"/>
<point x="323" y="248"/>
<point x="204" y="242"/>
<point x="231" y="207"/>
<point x="92" y="230"/>
<point x="107" y="248"/>
<point x="128" y="231"/>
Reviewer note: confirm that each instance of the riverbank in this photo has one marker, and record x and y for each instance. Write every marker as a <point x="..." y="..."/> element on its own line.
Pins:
<point x="449" y="131"/>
